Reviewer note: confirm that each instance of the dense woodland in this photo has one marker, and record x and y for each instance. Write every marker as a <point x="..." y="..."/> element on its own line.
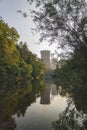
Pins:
<point x="16" y="60"/>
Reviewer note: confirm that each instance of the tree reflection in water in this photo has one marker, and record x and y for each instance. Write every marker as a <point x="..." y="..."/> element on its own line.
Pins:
<point x="75" y="115"/>
<point x="15" y="98"/>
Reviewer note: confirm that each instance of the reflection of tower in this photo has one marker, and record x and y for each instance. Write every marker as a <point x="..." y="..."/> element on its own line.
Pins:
<point x="49" y="94"/>
<point x="54" y="90"/>
<point x="45" y="98"/>
<point x="45" y="56"/>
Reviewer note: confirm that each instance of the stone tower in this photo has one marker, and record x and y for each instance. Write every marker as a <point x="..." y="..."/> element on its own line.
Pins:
<point x="45" y="56"/>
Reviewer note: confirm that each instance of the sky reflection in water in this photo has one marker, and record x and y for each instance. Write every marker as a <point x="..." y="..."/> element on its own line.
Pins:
<point x="41" y="113"/>
<point x="42" y="106"/>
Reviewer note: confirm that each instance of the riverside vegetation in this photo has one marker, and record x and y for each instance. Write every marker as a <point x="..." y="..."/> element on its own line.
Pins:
<point x="16" y="60"/>
<point x="57" y="19"/>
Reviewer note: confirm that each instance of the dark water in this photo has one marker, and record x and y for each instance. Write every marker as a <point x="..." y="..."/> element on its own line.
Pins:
<point x="38" y="105"/>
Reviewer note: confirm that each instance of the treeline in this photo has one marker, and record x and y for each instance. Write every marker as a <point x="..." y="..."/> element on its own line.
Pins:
<point x="74" y="70"/>
<point x="16" y="60"/>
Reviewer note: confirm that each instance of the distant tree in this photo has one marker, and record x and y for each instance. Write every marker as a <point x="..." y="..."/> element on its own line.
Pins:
<point x="34" y="65"/>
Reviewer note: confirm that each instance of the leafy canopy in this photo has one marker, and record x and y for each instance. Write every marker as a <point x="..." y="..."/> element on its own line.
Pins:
<point x="62" y="21"/>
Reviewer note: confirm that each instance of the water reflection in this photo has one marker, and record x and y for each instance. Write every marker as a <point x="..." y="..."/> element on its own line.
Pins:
<point x="54" y="89"/>
<point x="71" y="119"/>
<point x="75" y="115"/>
<point x="29" y="105"/>
<point x="45" y="97"/>
<point x="40" y="114"/>
<point x="49" y="93"/>
<point x="15" y="98"/>
<point x="38" y="105"/>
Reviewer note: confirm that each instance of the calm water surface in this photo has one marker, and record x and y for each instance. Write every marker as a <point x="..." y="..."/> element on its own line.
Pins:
<point x="39" y="105"/>
<point x="40" y="114"/>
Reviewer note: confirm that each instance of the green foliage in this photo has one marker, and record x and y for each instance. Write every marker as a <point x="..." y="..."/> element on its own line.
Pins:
<point x="34" y="65"/>
<point x="72" y="79"/>
<point x="75" y="69"/>
<point x="63" y="22"/>
<point x="16" y="61"/>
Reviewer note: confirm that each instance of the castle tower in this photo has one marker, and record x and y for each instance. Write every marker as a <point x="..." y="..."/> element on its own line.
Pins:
<point x="45" y="56"/>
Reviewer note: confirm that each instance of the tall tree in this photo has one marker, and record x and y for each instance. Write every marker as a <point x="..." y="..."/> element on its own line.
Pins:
<point x="62" y="21"/>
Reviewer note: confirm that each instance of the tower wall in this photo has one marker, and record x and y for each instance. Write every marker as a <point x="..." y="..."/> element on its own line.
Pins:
<point x="45" y="56"/>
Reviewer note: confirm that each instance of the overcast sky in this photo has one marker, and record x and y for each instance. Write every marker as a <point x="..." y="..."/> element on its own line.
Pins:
<point x="8" y="11"/>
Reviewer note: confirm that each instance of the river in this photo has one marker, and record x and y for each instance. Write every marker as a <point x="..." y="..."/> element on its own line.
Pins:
<point x="38" y="105"/>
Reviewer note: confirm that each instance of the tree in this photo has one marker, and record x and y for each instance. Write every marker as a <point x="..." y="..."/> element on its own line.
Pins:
<point x="9" y="55"/>
<point x="62" y="21"/>
<point x="30" y="63"/>
<point x="8" y="38"/>
<point x="65" y="22"/>
<point x="16" y="61"/>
